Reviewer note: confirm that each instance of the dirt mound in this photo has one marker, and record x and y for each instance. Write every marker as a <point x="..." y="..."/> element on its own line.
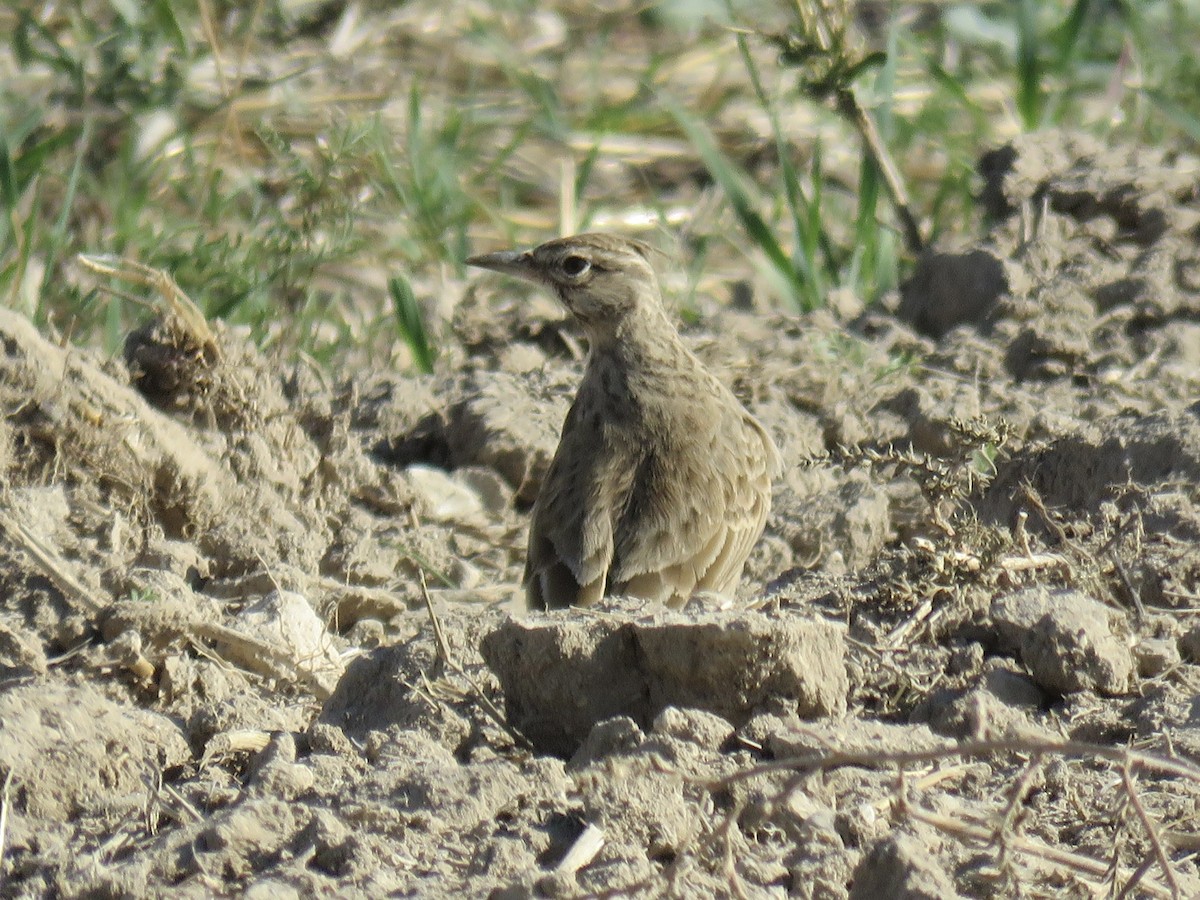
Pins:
<point x="982" y="566"/>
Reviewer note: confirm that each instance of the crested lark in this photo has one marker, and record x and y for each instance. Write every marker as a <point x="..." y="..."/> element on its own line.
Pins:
<point x="662" y="480"/>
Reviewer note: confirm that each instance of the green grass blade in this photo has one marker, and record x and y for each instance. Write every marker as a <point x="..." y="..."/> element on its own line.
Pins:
<point x="60" y="233"/>
<point x="885" y="83"/>
<point x="1067" y="36"/>
<point x="1029" y="65"/>
<point x="737" y="191"/>
<point x="56" y="56"/>
<point x="12" y="276"/>
<point x="950" y="84"/>
<point x="168" y="21"/>
<point x="1067" y="41"/>
<point x="814" y="234"/>
<point x="799" y="208"/>
<point x="584" y="172"/>
<point x="1186" y="120"/>
<point x="866" y="231"/>
<point x="410" y="323"/>
<point x="873" y="265"/>
<point x="8" y="179"/>
<point x="37" y="156"/>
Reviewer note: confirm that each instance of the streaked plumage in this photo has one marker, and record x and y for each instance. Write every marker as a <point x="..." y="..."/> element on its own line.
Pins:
<point x="661" y="483"/>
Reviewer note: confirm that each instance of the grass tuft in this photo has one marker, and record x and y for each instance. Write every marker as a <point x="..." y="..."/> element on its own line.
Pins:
<point x="281" y="166"/>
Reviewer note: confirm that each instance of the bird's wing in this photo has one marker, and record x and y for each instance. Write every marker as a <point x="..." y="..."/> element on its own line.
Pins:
<point x="571" y="534"/>
<point x="746" y="512"/>
<point x="697" y="517"/>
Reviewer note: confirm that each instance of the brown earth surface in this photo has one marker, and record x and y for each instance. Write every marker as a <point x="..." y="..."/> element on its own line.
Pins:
<point x="965" y="660"/>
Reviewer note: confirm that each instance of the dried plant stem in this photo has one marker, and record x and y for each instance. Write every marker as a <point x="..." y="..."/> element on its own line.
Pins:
<point x="449" y="662"/>
<point x="51" y="565"/>
<point x="251" y="654"/>
<point x="1017" y="797"/>
<point x="177" y="304"/>
<point x="1002" y="834"/>
<point x="1074" y="862"/>
<point x="1031" y="745"/>
<point x="1151" y="831"/>
<point x="4" y="801"/>
<point x="848" y="106"/>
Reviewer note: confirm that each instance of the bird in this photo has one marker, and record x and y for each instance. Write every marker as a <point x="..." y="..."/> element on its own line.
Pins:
<point x="661" y="482"/>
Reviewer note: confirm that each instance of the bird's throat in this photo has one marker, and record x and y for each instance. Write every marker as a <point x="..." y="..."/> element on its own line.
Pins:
<point x="638" y="368"/>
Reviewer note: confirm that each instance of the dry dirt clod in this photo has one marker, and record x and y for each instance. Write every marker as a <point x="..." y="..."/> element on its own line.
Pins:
<point x="1069" y="641"/>
<point x="900" y="867"/>
<point x="563" y="674"/>
<point x="947" y="289"/>
<point x="72" y="752"/>
<point x="502" y="421"/>
<point x="20" y="653"/>
<point x="1189" y="644"/>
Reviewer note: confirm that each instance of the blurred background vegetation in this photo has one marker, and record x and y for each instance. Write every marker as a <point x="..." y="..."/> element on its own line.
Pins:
<point x="317" y="171"/>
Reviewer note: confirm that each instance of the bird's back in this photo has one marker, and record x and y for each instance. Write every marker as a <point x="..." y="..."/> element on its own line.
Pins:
<point x="660" y="488"/>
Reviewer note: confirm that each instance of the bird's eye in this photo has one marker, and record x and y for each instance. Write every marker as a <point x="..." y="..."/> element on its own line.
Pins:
<point x="574" y="266"/>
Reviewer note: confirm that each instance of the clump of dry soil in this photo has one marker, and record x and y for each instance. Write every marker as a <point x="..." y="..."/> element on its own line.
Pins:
<point x="982" y="568"/>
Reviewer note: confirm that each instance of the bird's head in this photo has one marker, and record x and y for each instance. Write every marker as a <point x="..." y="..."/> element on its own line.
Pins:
<point x="602" y="279"/>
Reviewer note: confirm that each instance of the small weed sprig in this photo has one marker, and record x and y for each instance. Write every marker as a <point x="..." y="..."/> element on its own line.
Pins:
<point x="822" y="50"/>
<point x="953" y="549"/>
<point x="976" y="443"/>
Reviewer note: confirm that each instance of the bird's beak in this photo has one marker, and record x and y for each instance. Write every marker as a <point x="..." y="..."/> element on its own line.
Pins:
<point x="511" y="262"/>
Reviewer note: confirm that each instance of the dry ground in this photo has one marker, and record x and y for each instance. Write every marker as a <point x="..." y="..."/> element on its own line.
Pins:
<point x="966" y="658"/>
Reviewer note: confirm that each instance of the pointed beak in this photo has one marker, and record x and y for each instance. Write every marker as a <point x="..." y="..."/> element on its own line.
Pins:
<point x="511" y="262"/>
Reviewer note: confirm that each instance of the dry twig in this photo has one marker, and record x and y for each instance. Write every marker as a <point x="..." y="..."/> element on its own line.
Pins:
<point x="1130" y="761"/>
<point x="257" y="656"/>
<point x="178" y="306"/>
<point x="988" y="747"/>
<point x="4" y="803"/>
<point x="1074" y="862"/>
<point x="1151" y="831"/>
<point x="51" y="565"/>
<point x="449" y="662"/>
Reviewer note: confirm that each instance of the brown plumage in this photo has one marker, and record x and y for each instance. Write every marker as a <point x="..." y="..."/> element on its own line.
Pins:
<point x="661" y="482"/>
